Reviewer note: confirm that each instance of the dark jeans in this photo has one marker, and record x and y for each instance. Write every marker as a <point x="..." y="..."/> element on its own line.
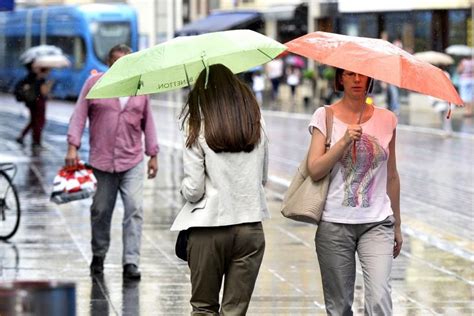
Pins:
<point x="37" y="120"/>
<point x="275" y="87"/>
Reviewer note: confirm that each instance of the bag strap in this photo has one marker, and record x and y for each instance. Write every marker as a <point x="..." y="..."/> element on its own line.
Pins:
<point x="329" y="120"/>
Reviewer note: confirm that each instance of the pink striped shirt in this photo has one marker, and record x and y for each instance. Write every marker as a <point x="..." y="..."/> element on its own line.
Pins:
<point x="115" y="134"/>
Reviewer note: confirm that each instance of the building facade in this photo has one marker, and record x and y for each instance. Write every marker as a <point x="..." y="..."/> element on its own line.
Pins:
<point x="420" y="25"/>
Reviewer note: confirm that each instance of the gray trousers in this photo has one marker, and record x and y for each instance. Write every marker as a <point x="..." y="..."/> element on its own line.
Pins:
<point x="336" y="247"/>
<point x="130" y="185"/>
<point x="235" y="252"/>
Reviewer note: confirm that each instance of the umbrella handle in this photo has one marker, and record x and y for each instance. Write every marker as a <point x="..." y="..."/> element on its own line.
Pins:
<point x="354" y="154"/>
<point x="448" y="116"/>
<point x="368" y="101"/>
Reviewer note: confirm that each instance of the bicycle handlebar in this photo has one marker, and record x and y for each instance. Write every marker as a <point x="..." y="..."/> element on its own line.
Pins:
<point x="7" y="166"/>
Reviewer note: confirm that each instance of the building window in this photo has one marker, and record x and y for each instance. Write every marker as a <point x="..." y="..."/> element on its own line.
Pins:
<point x="360" y="25"/>
<point x="399" y="26"/>
<point x="458" y="26"/>
<point x="423" y="31"/>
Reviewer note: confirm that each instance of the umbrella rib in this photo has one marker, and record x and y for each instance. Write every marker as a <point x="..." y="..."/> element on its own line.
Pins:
<point x="186" y="73"/>
<point x="138" y="85"/>
<point x="264" y="53"/>
<point x="187" y="77"/>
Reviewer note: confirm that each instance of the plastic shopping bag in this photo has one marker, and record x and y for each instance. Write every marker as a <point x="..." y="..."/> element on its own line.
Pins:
<point x="73" y="183"/>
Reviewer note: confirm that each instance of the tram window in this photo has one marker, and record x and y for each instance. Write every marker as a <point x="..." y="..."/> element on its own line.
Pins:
<point x="107" y="35"/>
<point x="2" y="51"/>
<point x="35" y="41"/>
<point x="14" y="46"/>
<point x="71" y="46"/>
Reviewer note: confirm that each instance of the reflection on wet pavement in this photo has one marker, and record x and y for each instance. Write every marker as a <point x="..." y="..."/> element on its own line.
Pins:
<point x="99" y="304"/>
<point x="53" y="241"/>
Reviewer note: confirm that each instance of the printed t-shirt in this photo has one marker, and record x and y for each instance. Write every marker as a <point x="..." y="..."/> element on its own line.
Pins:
<point x="358" y="191"/>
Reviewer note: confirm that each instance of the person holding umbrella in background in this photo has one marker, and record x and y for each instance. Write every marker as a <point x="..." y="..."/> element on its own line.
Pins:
<point x="35" y="87"/>
<point x="33" y="90"/>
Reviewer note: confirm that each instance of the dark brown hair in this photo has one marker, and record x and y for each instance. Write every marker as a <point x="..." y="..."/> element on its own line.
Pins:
<point x="338" y="87"/>
<point x="226" y="109"/>
<point x="119" y="48"/>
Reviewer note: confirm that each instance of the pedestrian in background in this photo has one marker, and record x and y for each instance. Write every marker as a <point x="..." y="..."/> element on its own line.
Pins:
<point x="116" y="155"/>
<point x="393" y="99"/>
<point x="293" y="77"/>
<point x="274" y="69"/>
<point x="465" y="70"/>
<point x="33" y="90"/>
<point x="393" y="92"/>
<point x="225" y="168"/>
<point x="362" y="210"/>
<point x="258" y="85"/>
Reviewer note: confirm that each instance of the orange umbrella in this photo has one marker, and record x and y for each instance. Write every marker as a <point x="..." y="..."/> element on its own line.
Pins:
<point x="378" y="59"/>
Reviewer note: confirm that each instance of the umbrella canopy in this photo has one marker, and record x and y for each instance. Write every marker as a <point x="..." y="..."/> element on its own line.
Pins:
<point x="51" y="61"/>
<point x="435" y="58"/>
<point x="178" y="62"/>
<point x="295" y="61"/>
<point x="35" y="52"/>
<point x="378" y="59"/>
<point x="460" y="50"/>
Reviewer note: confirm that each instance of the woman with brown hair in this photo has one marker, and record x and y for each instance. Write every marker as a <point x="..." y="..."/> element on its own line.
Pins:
<point x="225" y="168"/>
<point x="362" y="211"/>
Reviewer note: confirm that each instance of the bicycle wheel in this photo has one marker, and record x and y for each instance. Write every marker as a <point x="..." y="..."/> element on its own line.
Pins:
<point x="9" y="207"/>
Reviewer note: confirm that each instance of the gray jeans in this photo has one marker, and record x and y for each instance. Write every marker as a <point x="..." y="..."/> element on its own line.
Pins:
<point x="336" y="247"/>
<point x="130" y="185"/>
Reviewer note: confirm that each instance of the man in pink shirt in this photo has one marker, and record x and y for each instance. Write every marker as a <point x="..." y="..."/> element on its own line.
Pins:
<point x="116" y="127"/>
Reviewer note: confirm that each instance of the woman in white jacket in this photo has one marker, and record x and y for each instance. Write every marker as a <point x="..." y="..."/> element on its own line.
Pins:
<point x="225" y="168"/>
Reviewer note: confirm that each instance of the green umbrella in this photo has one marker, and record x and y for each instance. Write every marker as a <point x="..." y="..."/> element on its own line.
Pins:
<point x="178" y="62"/>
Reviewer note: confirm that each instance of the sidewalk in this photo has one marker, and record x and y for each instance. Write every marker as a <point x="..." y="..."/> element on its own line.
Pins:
<point x="432" y="276"/>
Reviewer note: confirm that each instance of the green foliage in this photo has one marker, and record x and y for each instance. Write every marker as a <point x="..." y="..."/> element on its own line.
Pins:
<point x="329" y="73"/>
<point x="309" y="74"/>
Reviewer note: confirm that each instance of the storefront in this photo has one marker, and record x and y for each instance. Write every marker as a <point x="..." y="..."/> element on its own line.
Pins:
<point x="418" y="26"/>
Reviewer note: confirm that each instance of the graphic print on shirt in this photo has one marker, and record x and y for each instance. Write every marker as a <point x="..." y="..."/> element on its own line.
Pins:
<point x="359" y="178"/>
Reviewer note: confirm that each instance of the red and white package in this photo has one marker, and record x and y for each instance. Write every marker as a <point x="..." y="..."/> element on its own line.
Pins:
<point x="73" y="183"/>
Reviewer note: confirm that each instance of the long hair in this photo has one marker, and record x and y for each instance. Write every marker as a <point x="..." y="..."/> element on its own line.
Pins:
<point x="226" y="109"/>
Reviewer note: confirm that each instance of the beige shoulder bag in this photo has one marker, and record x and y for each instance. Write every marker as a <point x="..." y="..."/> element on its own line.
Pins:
<point x="305" y="199"/>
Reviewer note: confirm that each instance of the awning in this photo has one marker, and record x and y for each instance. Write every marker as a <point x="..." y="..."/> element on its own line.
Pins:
<point x="350" y="6"/>
<point x="221" y="21"/>
<point x="279" y="12"/>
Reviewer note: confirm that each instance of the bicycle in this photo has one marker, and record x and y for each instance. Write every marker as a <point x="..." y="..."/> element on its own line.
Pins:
<point x="9" y="202"/>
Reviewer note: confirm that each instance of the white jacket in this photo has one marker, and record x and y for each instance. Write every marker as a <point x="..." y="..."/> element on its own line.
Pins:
<point x="223" y="189"/>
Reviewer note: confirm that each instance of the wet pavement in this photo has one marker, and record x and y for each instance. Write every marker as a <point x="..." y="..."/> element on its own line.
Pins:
<point x="433" y="275"/>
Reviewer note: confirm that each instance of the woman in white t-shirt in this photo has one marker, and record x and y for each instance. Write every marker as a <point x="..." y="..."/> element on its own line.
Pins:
<point x="362" y="211"/>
